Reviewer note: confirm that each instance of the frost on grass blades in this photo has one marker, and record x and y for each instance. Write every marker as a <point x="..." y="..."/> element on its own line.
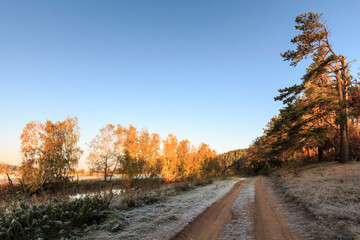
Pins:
<point x="240" y="227"/>
<point x="329" y="193"/>
<point x="102" y="193"/>
<point x="163" y="220"/>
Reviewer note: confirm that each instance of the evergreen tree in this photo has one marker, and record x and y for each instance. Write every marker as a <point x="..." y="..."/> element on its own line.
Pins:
<point x="327" y="65"/>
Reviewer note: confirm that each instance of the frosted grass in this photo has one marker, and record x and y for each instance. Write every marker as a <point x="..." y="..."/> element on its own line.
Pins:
<point x="240" y="227"/>
<point x="164" y="219"/>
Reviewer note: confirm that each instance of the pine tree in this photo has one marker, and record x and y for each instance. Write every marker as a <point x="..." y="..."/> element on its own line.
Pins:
<point x="313" y="41"/>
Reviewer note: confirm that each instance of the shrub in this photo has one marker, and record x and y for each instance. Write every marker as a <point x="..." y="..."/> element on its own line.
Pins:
<point x="55" y="220"/>
<point x="184" y="187"/>
<point x="138" y="200"/>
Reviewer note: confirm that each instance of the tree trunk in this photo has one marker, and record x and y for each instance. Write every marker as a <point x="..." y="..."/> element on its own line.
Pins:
<point x="346" y="108"/>
<point x="344" y="144"/>
<point x="320" y="154"/>
<point x="112" y="173"/>
<point x="343" y="116"/>
<point x="105" y="172"/>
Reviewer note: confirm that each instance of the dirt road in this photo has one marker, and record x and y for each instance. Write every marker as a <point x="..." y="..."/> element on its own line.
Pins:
<point x="269" y="222"/>
<point x="208" y="225"/>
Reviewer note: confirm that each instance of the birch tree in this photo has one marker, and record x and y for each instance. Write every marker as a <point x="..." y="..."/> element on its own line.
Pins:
<point x="102" y="156"/>
<point x="50" y="151"/>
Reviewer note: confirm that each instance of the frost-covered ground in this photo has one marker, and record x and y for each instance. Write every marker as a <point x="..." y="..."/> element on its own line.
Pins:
<point x="326" y="197"/>
<point x="164" y="219"/>
<point x="243" y="223"/>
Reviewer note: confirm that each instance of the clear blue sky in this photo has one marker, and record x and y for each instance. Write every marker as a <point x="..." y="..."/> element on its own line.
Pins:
<point x="203" y="70"/>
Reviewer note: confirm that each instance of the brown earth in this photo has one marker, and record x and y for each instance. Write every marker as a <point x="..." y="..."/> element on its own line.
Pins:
<point x="269" y="221"/>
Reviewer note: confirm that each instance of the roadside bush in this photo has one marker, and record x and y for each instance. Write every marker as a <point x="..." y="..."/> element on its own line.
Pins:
<point x="203" y="183"/>
<point x="56" y="220"/>
<point x="138" y="200"/>
<point x="185" y="187"/>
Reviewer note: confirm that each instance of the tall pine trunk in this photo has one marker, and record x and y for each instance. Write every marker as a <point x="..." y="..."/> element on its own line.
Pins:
<point x="343" y="115"/>
<point x="344" y="144"/>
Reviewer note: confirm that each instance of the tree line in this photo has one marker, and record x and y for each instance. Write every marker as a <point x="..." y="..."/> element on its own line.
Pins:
<point x="133" y="153"/>
<point x="320" y="117"/>
<point x="234" y="162"/>
<point x="50" y="153"/>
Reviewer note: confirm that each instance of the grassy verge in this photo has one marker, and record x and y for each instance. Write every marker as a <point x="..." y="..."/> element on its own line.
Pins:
<point x="329" y="193"/>
<point x="39" y="217"/>
<point x="140" y="197"/>
<point x="171" y="208"/>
